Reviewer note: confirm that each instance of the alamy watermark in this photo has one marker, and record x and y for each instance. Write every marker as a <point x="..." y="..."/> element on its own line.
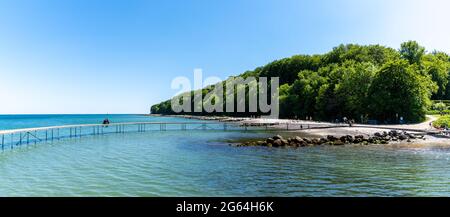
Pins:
<point x="236" y="94"/>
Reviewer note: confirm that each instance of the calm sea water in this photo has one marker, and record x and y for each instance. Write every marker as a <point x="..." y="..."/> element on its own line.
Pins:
<point x="200" y="163"/>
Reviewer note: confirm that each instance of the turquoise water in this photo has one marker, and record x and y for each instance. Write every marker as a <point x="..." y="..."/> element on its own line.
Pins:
<point x="200" y="163"/>
<point x="29" y="121"/>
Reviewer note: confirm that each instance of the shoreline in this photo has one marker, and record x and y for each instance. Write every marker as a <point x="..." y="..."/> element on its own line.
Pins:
<point x="320" y="129"/>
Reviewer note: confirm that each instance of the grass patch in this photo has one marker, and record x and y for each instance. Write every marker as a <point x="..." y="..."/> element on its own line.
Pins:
<point x="442" y="122"/>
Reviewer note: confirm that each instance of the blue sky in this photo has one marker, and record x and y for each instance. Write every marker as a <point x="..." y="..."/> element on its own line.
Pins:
<point x="86" y="56"/>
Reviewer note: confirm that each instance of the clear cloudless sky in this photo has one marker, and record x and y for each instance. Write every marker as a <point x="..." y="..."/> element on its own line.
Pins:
<point x="91" y="56"/>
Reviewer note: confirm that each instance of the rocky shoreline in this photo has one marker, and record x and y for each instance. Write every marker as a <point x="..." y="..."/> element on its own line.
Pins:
<point x="377" y="138"/>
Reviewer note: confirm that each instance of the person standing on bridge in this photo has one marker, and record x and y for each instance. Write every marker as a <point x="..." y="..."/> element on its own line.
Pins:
<point x="106" y="122"/>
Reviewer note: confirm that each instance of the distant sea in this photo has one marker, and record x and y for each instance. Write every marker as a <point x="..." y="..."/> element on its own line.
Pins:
<point x="201" y="163"/>
<point x="29" y="121"/>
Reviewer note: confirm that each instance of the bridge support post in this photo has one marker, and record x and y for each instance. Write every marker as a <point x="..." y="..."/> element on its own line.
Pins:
<point x="162" y="127"/>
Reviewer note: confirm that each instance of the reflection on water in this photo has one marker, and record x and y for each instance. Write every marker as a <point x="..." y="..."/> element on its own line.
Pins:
<point x="194" y="163"/>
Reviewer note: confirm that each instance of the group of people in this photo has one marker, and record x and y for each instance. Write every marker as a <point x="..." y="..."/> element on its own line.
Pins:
<point x="106" y="121"/>
<point x="345" y="120"/>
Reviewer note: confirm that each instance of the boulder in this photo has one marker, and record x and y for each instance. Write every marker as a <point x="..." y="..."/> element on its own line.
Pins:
<point x="323" y="140"/>
<point x="298" y="139"/>
<point x="359" y="137"/>
<point x="315" y="141"/>
<point x="302" y="143"/>
<point x="331" y="138"/>
<point x="411" y="136"/>
<point x="357" y="140"/>
<point x="277" y="137"/>
<point x="393" y="133"/>
<point x="349" y="138"/>
<point x="338" y="142"/>
<point x="277" y="143"/>
<point x="402" y="137"/>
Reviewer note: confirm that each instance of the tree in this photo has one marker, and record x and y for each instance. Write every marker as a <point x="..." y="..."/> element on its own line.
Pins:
<point x="287" y="101"/>
<point x="304" y="91"/>
<point x="412" y="51"/>
<point x="440" y="106"/>
<point x="354" y="87"/>
<point x="400" y="90"/>
<point x="438" y="70"/>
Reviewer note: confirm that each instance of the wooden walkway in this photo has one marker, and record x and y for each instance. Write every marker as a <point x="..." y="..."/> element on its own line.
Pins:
<point x="16" y="137"/>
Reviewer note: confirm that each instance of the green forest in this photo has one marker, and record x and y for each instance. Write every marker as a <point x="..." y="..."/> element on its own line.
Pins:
<point x="370" y="82"/>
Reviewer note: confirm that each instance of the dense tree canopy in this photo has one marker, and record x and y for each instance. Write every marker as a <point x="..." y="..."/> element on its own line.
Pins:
<point x="354" y="81"/>
<point x="399" y="91"/>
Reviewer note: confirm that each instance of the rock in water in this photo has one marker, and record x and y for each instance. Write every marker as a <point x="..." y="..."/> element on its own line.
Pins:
<point x="277" y="143"/>
<point x="331" y="138"/>
<point x="277" y="137"/>
<point x="403" y="137"/>
<point x="338" y="142"/>
<point x="298" y="139"/>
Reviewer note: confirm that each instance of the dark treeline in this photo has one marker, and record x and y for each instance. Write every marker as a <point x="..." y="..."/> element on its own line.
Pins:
<point x="359" y="82"/>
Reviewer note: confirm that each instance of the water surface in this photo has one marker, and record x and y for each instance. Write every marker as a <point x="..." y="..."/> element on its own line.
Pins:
<point x="199" y="163"/>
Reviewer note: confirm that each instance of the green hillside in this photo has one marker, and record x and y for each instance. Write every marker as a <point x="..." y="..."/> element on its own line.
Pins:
<point x="354" y="81"/>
